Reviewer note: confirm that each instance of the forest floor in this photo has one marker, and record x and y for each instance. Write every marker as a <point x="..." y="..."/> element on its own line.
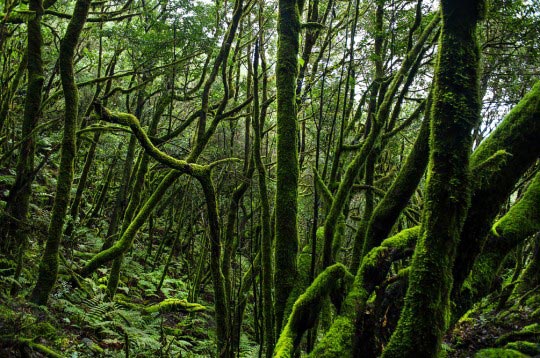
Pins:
<point x="85" y="323"/>
<point x="489" y="330"/>
<point x="141" y="321"/>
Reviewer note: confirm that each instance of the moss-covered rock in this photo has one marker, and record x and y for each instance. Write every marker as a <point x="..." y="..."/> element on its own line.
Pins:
<point x="499" y="353"/>
<point x="524" y="347"/>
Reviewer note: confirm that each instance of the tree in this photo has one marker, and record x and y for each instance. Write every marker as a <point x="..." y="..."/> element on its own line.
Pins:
<point x="286" y="245"/>
<point x="246" y="178"/>
<point x="48" y="268"/>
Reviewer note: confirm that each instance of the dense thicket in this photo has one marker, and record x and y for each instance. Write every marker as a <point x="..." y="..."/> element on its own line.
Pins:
<point x="269" y="178"/>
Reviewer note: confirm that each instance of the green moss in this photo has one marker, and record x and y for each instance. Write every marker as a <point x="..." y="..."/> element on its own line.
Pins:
<point x="44" y="330"/>
<point x="174" y="305"/>
<point x="337" y="342"/>
<point x="306" y="308"/>
<point x="523" y="218"/>
<point x="533" y="301"/>
<point x="530" y="332"/>
<point x="535" y="327"/>
<point x="46" y="351"/>
<point x="286" y="235"/>
<point x="524" y="347"/>
<point x="521" y="221"/>
<point x="499" y="353"/>
<point x="517" y="135"/>
<point x="456" y="110"/>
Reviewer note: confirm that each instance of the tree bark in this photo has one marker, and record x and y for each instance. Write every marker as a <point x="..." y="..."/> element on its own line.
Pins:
<point x="48" y="268"/>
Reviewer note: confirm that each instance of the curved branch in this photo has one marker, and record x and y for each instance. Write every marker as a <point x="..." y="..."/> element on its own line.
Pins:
<point x="307" y="307"/>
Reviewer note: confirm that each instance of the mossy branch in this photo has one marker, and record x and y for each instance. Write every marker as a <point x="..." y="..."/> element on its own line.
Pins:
<point x="326" y="194"/>
<point x="307" y="307"/>
<point x="338" y="341"/>
<point x="518" y="135"/>
<point x="312" y="26"/>
<point x="132" y="122"/>
<point x="489" y="166"/>
<point x="520" y="222"/>
<point x="167" y="305"/>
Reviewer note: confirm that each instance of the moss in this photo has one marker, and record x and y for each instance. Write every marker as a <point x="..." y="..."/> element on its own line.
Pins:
<point x="48" y="268"/>
<point x="306" y="308"/>
<point x="524" y="347"/>
<point x="521" y="221"/>
<point x="530" y="332"/>
<point x="517" y="135"/>
<point x="523" y="218"/>
<point x="174" y="305"/>
<point x="533" y="301"/>
<point x="46" y="351"/>
<point x="338" y="341"/>
<point x="456" y="110"/>
<point x="535" y="327"/>
<point x="286" y="235"/>
<point x="44" y="330"/>
<point x="499" y="353"/>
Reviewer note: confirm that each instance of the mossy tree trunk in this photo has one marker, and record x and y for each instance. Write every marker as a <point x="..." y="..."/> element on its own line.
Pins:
<point x="396" y="198"/>
<point x="16" y="214"/>
<point x="48" y="268"/>
<point x="307" y="307"/>
<point x="339" y="341"/>
<point x="286" y="239"/>
<point x="220" y="294"/>
<point x="455" y="112"/>
<point x="519" y="223"/>
<point x="517" y="136"/>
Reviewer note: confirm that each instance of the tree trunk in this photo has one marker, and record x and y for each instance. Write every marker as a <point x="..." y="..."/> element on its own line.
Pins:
<point x="456" y="110"/>
<point x="286" y="245"/>
<point x="48" y="268"/>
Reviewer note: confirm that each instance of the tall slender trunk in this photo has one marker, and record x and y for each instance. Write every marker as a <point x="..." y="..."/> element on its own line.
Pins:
<point x="266" y="238"/>
<point x="48" y="268"/>
<point x="16" y="213"/>
<point x="286" y="245"/>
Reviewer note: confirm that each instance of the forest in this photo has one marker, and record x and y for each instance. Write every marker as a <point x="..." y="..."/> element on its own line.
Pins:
<point x="258" y="178"/>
